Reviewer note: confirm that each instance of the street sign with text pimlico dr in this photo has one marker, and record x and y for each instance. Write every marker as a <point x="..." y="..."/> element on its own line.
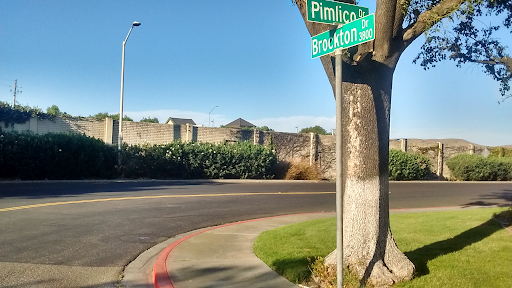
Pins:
<point x="331" y="12"/>
<point x="351" y="34"/>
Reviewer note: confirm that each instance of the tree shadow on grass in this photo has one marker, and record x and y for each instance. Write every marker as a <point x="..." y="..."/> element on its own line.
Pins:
<point x="295" y="269"/>
<point x="421" y="256"/>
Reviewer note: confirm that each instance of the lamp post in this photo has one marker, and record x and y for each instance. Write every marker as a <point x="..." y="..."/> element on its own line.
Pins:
<point x="209" y="116"/>
<point x="120" y="133"/>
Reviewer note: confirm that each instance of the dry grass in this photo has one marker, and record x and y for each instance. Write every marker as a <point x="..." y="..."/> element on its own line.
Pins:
<point x="303" y="171"/>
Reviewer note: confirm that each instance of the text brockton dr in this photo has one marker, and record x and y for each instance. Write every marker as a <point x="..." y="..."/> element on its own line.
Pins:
<point x="349" y="35"/>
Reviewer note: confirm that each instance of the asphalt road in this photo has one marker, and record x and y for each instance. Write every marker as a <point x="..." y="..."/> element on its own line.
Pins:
<point x="82" y="234"/>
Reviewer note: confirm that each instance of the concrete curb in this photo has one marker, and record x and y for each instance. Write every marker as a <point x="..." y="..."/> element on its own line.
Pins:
<point x="160" y="275"/>
<point x="150" y="269"/>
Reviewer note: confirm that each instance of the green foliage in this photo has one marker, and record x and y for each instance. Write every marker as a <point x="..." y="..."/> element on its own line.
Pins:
<point x="150" y="120"/>
<point x="316" y="129"/>
<point x="20" y="114"/>
<point x="260" y="128"/>
<point x="472" y="167"/>
<point x="406" y="166"/>
<point x="116" y="117"/>
<point x="500" y="152"/>
<point x="72" y="156"/>
<point x="53" y="110"/>
<point x="199" y="160"/>
<point x="264" y="128"/>
<point x="103" y="115"/>
<point x="55" y="156"/>
<point x="466" y="39"/>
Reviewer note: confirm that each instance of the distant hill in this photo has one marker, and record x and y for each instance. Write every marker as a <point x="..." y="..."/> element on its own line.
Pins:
<point x="448" y="142"/>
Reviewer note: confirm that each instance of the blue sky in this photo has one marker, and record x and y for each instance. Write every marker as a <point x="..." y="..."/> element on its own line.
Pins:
<point x="250" y="58"/>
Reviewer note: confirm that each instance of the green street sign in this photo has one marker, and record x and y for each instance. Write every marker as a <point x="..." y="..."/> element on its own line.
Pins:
<point x="331" y="12"/>
<point x="351" y="34"/>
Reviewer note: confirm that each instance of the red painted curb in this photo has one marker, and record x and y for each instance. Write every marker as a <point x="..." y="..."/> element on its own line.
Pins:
<point x="160" y="274"/>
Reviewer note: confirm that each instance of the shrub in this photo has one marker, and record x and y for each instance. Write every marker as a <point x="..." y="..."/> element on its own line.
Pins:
<point x="472" y="167"/>
<point x="19" y="114"/>
<point x="72" y="156"/>
<point x="303" y="171"/>
<point x="199" y="160"/>
<point x="55" y="156"/>
<point x="406" y="166"/>
<point x="500" y="152"/>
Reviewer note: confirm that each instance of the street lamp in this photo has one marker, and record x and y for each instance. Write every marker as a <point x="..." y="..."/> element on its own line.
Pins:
<point x="209" y="116"/>
<point x="120" y="133"/>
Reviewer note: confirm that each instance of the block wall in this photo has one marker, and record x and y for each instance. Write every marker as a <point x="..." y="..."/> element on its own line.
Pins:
<point x="89" y="127"/>
<point x="290" y="147"/>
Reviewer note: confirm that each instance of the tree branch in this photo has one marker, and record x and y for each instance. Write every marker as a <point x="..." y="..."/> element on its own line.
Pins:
<point x="506" y="61"/>
<point x="429" y="18"/>
<point x="384" y="28"/>
<point x="401" y="10"/>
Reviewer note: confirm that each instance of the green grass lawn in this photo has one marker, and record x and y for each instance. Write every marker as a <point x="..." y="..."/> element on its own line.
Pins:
<point x="449" y="249"/>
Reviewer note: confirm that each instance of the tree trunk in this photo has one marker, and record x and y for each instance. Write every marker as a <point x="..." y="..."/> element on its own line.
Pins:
<point x="369" y="248"/>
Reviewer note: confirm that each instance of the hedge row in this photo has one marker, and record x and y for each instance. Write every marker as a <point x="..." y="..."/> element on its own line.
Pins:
<point x="466" y="167"/>
<point x="55" y="156"/>
<point x="71" y="156"/>
<point x="199" y="161"/>
<point x="405" y="166"/>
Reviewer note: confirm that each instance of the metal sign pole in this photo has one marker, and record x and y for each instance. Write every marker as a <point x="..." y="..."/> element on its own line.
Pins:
<point x="340" y="185"/>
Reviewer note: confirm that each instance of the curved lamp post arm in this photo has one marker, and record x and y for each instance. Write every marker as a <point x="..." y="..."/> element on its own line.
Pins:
<point x="120" y="132"/>
<point x="209" y="116"/>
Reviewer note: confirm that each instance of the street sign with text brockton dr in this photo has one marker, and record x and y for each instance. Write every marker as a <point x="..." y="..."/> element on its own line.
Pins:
<point x="351" y="34"/>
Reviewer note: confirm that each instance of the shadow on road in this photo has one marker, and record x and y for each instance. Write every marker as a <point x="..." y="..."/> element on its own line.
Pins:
<point x="37" y="190"/>
<point x="493" y="199"/>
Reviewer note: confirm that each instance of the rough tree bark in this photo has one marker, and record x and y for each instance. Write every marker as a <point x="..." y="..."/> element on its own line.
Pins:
<point x="369" y="248"/>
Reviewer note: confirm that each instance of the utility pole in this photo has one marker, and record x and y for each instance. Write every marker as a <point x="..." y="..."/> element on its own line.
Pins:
<point x="15" y="91"/>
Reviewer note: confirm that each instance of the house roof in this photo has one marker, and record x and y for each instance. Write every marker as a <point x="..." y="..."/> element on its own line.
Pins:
<point x="180" y="121"/>
<point x="240" y="123"/>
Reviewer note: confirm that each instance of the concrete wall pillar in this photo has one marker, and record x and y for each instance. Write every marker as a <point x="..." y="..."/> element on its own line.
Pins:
<point x="471" y="149"/>
<point x="403" y="145"/>
<point x="255" y="137"/>
<point x="33" y="125"/>
<point x="109" y="130"/>
<point x="312" y="148"/>
<point x="188" y="138"/>
<point x="440" y="160"/>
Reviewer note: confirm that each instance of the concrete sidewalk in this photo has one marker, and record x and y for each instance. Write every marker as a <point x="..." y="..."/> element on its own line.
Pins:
<point x="220" y="256"/>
